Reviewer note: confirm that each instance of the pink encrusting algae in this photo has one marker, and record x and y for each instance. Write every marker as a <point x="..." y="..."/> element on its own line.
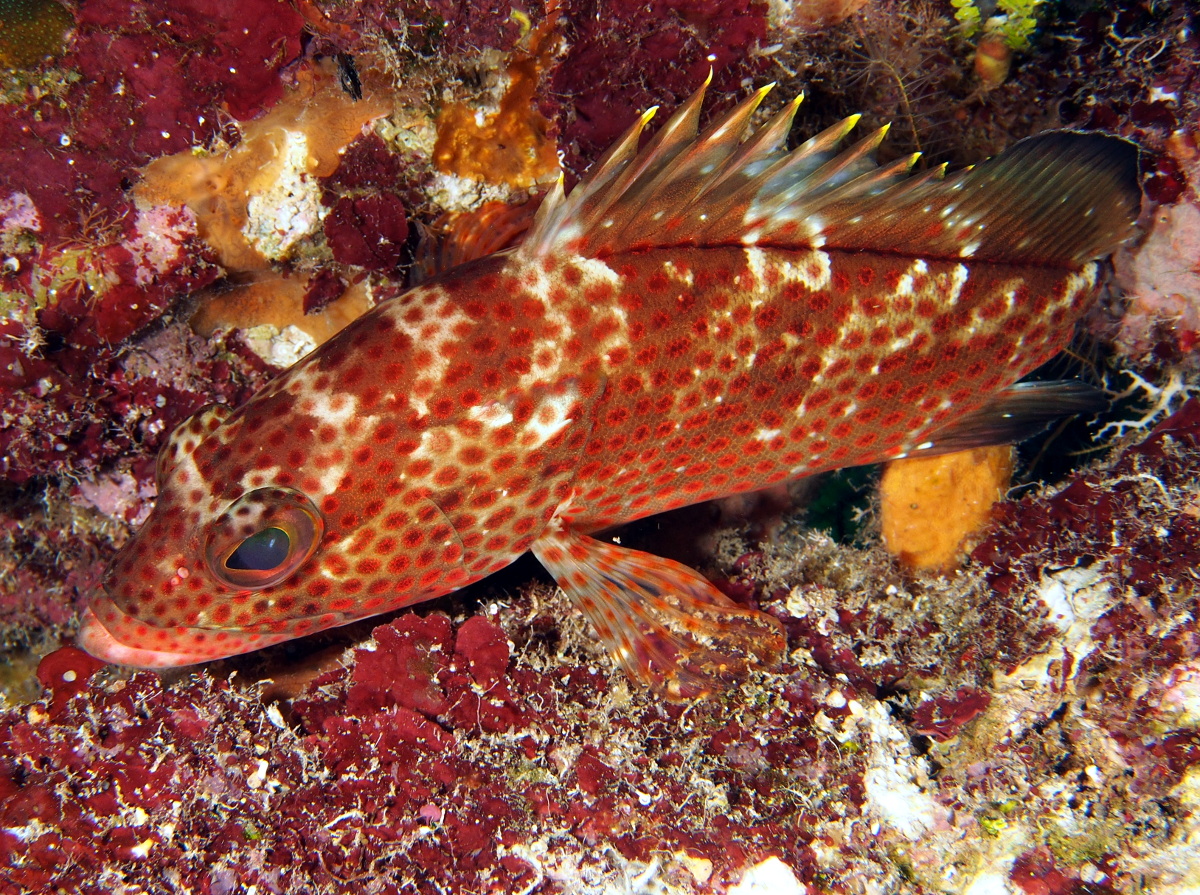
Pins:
<point x="705" y="316"/>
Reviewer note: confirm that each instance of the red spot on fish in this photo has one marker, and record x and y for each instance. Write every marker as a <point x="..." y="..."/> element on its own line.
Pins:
<point x="767" y="317"/>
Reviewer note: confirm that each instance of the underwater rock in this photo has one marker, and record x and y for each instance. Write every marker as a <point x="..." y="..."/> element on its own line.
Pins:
<point x="1161" y="278"/>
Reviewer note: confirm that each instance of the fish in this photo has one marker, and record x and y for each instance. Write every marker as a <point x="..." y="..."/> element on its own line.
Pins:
<point x="707" y="314"/>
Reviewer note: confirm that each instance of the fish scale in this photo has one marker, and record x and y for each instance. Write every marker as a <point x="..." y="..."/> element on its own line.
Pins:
<point x="698" y="318"/>
<point x="760" y="365"/>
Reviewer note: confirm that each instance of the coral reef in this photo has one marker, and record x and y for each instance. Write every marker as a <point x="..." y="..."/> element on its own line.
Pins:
<point x="1025" y="724"/>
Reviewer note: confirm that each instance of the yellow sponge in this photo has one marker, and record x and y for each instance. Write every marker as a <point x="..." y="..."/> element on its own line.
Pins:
<point x="934" y="509"/>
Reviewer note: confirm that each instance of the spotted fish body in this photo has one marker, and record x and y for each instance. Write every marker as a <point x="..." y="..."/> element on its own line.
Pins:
<point x="706" y="316"/>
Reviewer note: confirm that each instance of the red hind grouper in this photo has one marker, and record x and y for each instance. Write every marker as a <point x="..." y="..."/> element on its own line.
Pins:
<point x="706" y="316"/>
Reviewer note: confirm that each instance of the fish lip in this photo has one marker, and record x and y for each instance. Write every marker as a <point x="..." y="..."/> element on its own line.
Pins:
<point x="95" y="639"/>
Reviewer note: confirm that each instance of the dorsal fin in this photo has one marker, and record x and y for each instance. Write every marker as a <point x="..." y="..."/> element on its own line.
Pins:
<point x="1056" y="199"/>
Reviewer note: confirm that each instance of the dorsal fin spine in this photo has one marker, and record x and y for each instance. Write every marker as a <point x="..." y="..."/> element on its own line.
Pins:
<point x="679" y="129"/>
<point x="1058" y="199"/>
<point x="687" y="175"/>
<point x="840" y="171"/>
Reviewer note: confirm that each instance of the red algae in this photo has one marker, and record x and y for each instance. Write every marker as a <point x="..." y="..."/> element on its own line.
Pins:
<point x="943" y="717"/>
<point x="631" y="56"/>
<point x="426" y="765"/>
<point x="135" y="67"/>
<point x="1031" y="717"/>
<point x="85" y="271"/>
<point x="367" y="232"/>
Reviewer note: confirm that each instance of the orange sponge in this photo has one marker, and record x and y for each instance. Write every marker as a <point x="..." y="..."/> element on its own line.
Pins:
<point x="934" y="509"/>
<point x="258" y="200"/>
<point x="271" y="299"/>
<point x="511" y="145"/>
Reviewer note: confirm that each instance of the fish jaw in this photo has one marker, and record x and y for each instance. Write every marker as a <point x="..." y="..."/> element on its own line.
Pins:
<point x="94" y="638"/>
<point x="113" y="636"/>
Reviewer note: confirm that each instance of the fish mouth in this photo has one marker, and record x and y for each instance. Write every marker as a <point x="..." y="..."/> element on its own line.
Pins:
<point x="97" y="640"/>
<point x="108" y="633"/>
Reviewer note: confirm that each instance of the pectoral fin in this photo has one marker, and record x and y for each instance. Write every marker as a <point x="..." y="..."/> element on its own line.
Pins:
<point x="667" y="626"/>
<point x="1014" y="414"/>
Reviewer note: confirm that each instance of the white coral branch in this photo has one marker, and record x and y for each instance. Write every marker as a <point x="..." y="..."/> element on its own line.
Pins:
<point x="1162" y="400"/>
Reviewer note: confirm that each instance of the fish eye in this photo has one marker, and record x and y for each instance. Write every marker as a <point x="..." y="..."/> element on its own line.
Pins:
<point x="261" y="552"/>
<point x="263" y="538"/>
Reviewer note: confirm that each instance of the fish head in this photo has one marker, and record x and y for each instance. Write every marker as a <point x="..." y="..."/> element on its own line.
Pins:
<point x="364" y="479"/>
<point x="241" y="554"/>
